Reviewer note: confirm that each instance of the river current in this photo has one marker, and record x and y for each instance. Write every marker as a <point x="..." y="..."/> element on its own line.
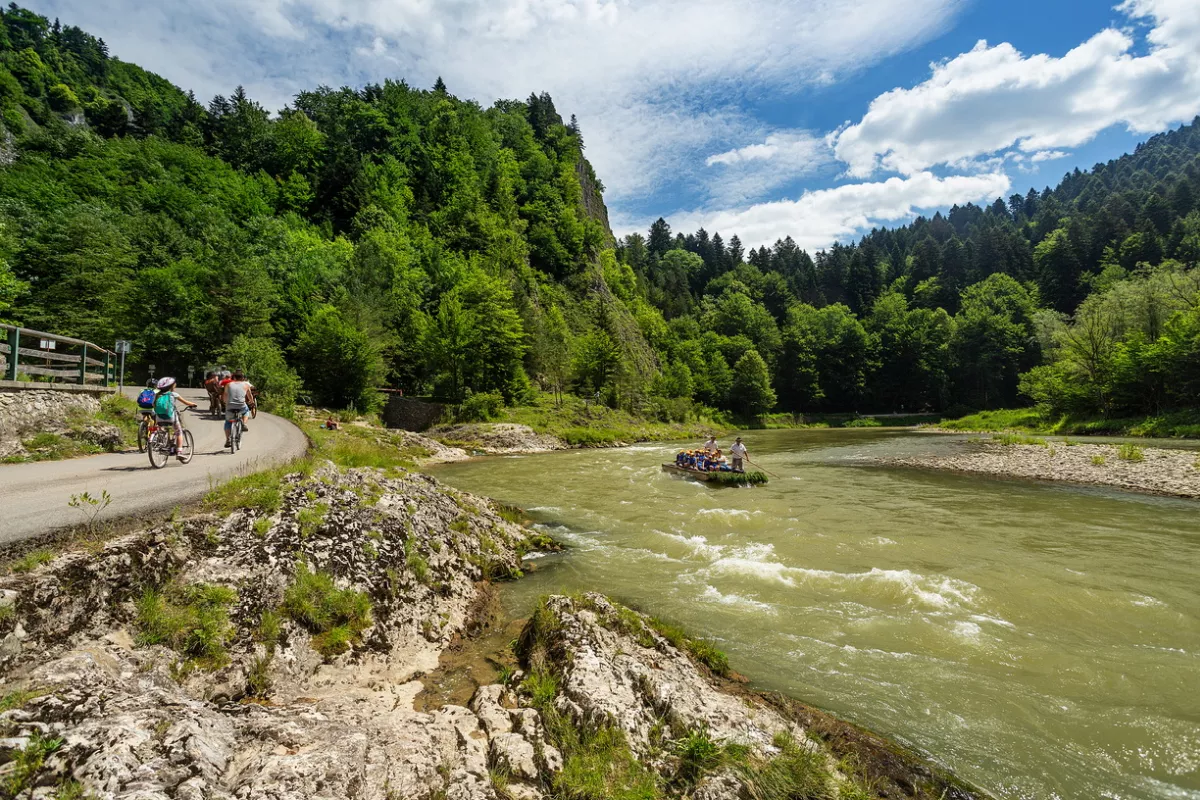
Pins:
<point x="1040" y="640"/>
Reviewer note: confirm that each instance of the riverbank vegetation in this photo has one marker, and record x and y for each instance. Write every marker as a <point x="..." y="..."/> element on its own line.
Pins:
<point x="391" y="236"/>
<point x="1171" y="425"/>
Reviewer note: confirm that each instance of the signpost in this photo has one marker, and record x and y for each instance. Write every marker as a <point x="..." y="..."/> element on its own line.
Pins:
<point x="122" y="348"/>
<point x="191" y="372"/>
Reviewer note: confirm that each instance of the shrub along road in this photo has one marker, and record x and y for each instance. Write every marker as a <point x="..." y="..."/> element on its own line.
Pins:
<point x="35" y="497"/>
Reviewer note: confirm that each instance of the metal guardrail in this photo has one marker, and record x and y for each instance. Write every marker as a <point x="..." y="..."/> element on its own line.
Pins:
<point x="19" y="358"/>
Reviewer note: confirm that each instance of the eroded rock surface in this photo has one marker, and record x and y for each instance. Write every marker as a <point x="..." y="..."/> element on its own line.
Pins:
<point x="139" y="721"/>
<point x="499" y="438"/>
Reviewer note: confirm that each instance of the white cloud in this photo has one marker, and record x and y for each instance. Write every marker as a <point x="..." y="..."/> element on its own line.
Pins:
<point x="1047" y="155"/>
<point x="758" y="170"/>
<point x="994" y="98"/>
<point x="819" y="218"/>
<point x="791" y="146"/>
<point x="656" y="84"/>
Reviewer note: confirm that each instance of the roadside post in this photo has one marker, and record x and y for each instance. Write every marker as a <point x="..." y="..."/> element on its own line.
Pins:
<point x="122" y="348"/>
<point x="191" y="372"/>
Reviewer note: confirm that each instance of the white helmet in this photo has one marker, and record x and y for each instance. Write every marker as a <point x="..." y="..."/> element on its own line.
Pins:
<point x="166" y="383"/>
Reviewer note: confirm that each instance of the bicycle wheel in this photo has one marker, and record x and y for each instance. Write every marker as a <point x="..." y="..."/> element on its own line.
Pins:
<point x="143" y="434"/>
<point x="159" y="449"/>
<point x="235" y="435"/>
<point x="189" y="447"/>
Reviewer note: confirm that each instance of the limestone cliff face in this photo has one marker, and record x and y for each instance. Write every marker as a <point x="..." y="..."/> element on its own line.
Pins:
<point x="593" y="197"/>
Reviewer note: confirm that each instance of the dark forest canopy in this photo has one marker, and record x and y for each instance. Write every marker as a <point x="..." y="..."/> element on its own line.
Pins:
<point x="398" y="236"/>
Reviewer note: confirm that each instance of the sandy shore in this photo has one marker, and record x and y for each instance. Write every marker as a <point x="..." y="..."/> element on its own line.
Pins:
<point x="1166" y="472"/>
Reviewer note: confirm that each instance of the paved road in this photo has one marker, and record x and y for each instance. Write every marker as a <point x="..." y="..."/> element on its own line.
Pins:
<point x="34" y="497"/>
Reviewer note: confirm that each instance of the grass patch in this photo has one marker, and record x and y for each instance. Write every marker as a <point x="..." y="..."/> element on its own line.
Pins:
<point x="32" y="560"/>
<point x="121" y="411"/>
<point x="1099" y="461"/>
<point x="52" y="447"/>
<point x="587" y="424"/>
<point x="311" y="519"/>
<point x="1016" y="438"/>
<point x="863" y="422"/>
<point x="260" y="491"/>
<point x="192" y="620"/>
<point x="416" y="562"/>
<point x="358" y="446"/>
<point x="796" y="772"/>
<point x="1130" y="452"/>
<point x="1019" y="419"/>
<point x="1174" y="425"/>
<point x="335" y="617"/>
<point x="18" y="699"/>
<point x="22" y="772"/>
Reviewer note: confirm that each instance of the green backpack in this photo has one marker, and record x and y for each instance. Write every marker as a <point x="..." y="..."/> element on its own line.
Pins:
<point x="164" y="406"/>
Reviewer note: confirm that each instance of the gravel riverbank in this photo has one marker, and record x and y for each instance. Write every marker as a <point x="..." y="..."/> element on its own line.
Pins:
<point x="1140" y="469"/>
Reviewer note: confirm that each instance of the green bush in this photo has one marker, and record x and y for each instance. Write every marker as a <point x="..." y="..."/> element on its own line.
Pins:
<point x="863" y="422"/>
<point x="1130" y="452"/>
<point x="62" y="99"/>
<point x="265" y="366"/>
<point x="480" y="407"/>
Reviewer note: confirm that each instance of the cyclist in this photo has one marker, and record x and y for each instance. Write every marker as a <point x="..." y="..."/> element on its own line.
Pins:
<point x="165" y="412"/>
<point x="214" y="393"/>
<point x="239" y="395"/>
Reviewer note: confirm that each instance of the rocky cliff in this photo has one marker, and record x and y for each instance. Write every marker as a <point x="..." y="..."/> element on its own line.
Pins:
<point x="276" y="653"/>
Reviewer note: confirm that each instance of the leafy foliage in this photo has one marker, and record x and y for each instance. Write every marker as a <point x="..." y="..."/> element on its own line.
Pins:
<point x="402" y="237"/>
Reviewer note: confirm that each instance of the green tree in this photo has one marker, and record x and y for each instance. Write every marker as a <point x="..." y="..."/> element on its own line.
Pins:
<point x="339" y="362"/>
<point x="751" y="390"/>
<point x="276" y="383"/>
<point x="994" y="341"/>
<point x="597" y="361"/>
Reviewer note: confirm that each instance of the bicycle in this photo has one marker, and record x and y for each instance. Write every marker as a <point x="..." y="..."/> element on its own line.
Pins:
<point x="143" y="434"/>
<point x="161" y="443"/>
<point x="235" y="434"/>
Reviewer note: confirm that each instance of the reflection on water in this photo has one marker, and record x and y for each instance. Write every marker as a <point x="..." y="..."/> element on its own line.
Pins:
<point x="1041" y="640"/>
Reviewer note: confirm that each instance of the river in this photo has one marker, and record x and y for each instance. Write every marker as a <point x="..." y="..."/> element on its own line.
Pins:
<point x="1042" y="641"/>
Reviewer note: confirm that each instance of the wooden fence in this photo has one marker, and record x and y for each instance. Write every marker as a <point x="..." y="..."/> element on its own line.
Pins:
<point x="24" y="352"/>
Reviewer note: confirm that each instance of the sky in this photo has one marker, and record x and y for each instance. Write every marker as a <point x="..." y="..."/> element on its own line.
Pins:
<point x="817" y="119"/>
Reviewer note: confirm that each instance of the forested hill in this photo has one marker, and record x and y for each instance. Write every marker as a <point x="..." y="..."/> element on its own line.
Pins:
<point x="953" y="310"/>
<point x="389" y="235"/>
<point x="398" y="236"/>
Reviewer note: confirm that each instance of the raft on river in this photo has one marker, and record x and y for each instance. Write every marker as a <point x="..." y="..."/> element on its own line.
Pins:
<point x="717" y="477"/>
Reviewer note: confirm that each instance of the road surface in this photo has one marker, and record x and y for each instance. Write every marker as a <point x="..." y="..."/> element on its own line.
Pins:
<point x="34" y="497"/>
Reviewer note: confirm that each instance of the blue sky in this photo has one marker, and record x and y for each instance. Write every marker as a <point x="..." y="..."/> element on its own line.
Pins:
<point x="811" y="118"/>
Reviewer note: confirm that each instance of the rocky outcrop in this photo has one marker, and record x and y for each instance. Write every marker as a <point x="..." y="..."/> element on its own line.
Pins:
<point x="1134" y="468"/>
<point x="250" y="700"/>
<point x="25" y="413"/>
<point x="498" y="438"/>
<point x="705" y="735"/>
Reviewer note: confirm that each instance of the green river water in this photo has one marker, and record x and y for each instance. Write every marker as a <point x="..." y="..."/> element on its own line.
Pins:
<point x="1042" y="641"/>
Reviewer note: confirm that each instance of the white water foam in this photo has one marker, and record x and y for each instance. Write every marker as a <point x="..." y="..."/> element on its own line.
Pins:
<point x="726" y="512"/>
<point x="713" y="595"/>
